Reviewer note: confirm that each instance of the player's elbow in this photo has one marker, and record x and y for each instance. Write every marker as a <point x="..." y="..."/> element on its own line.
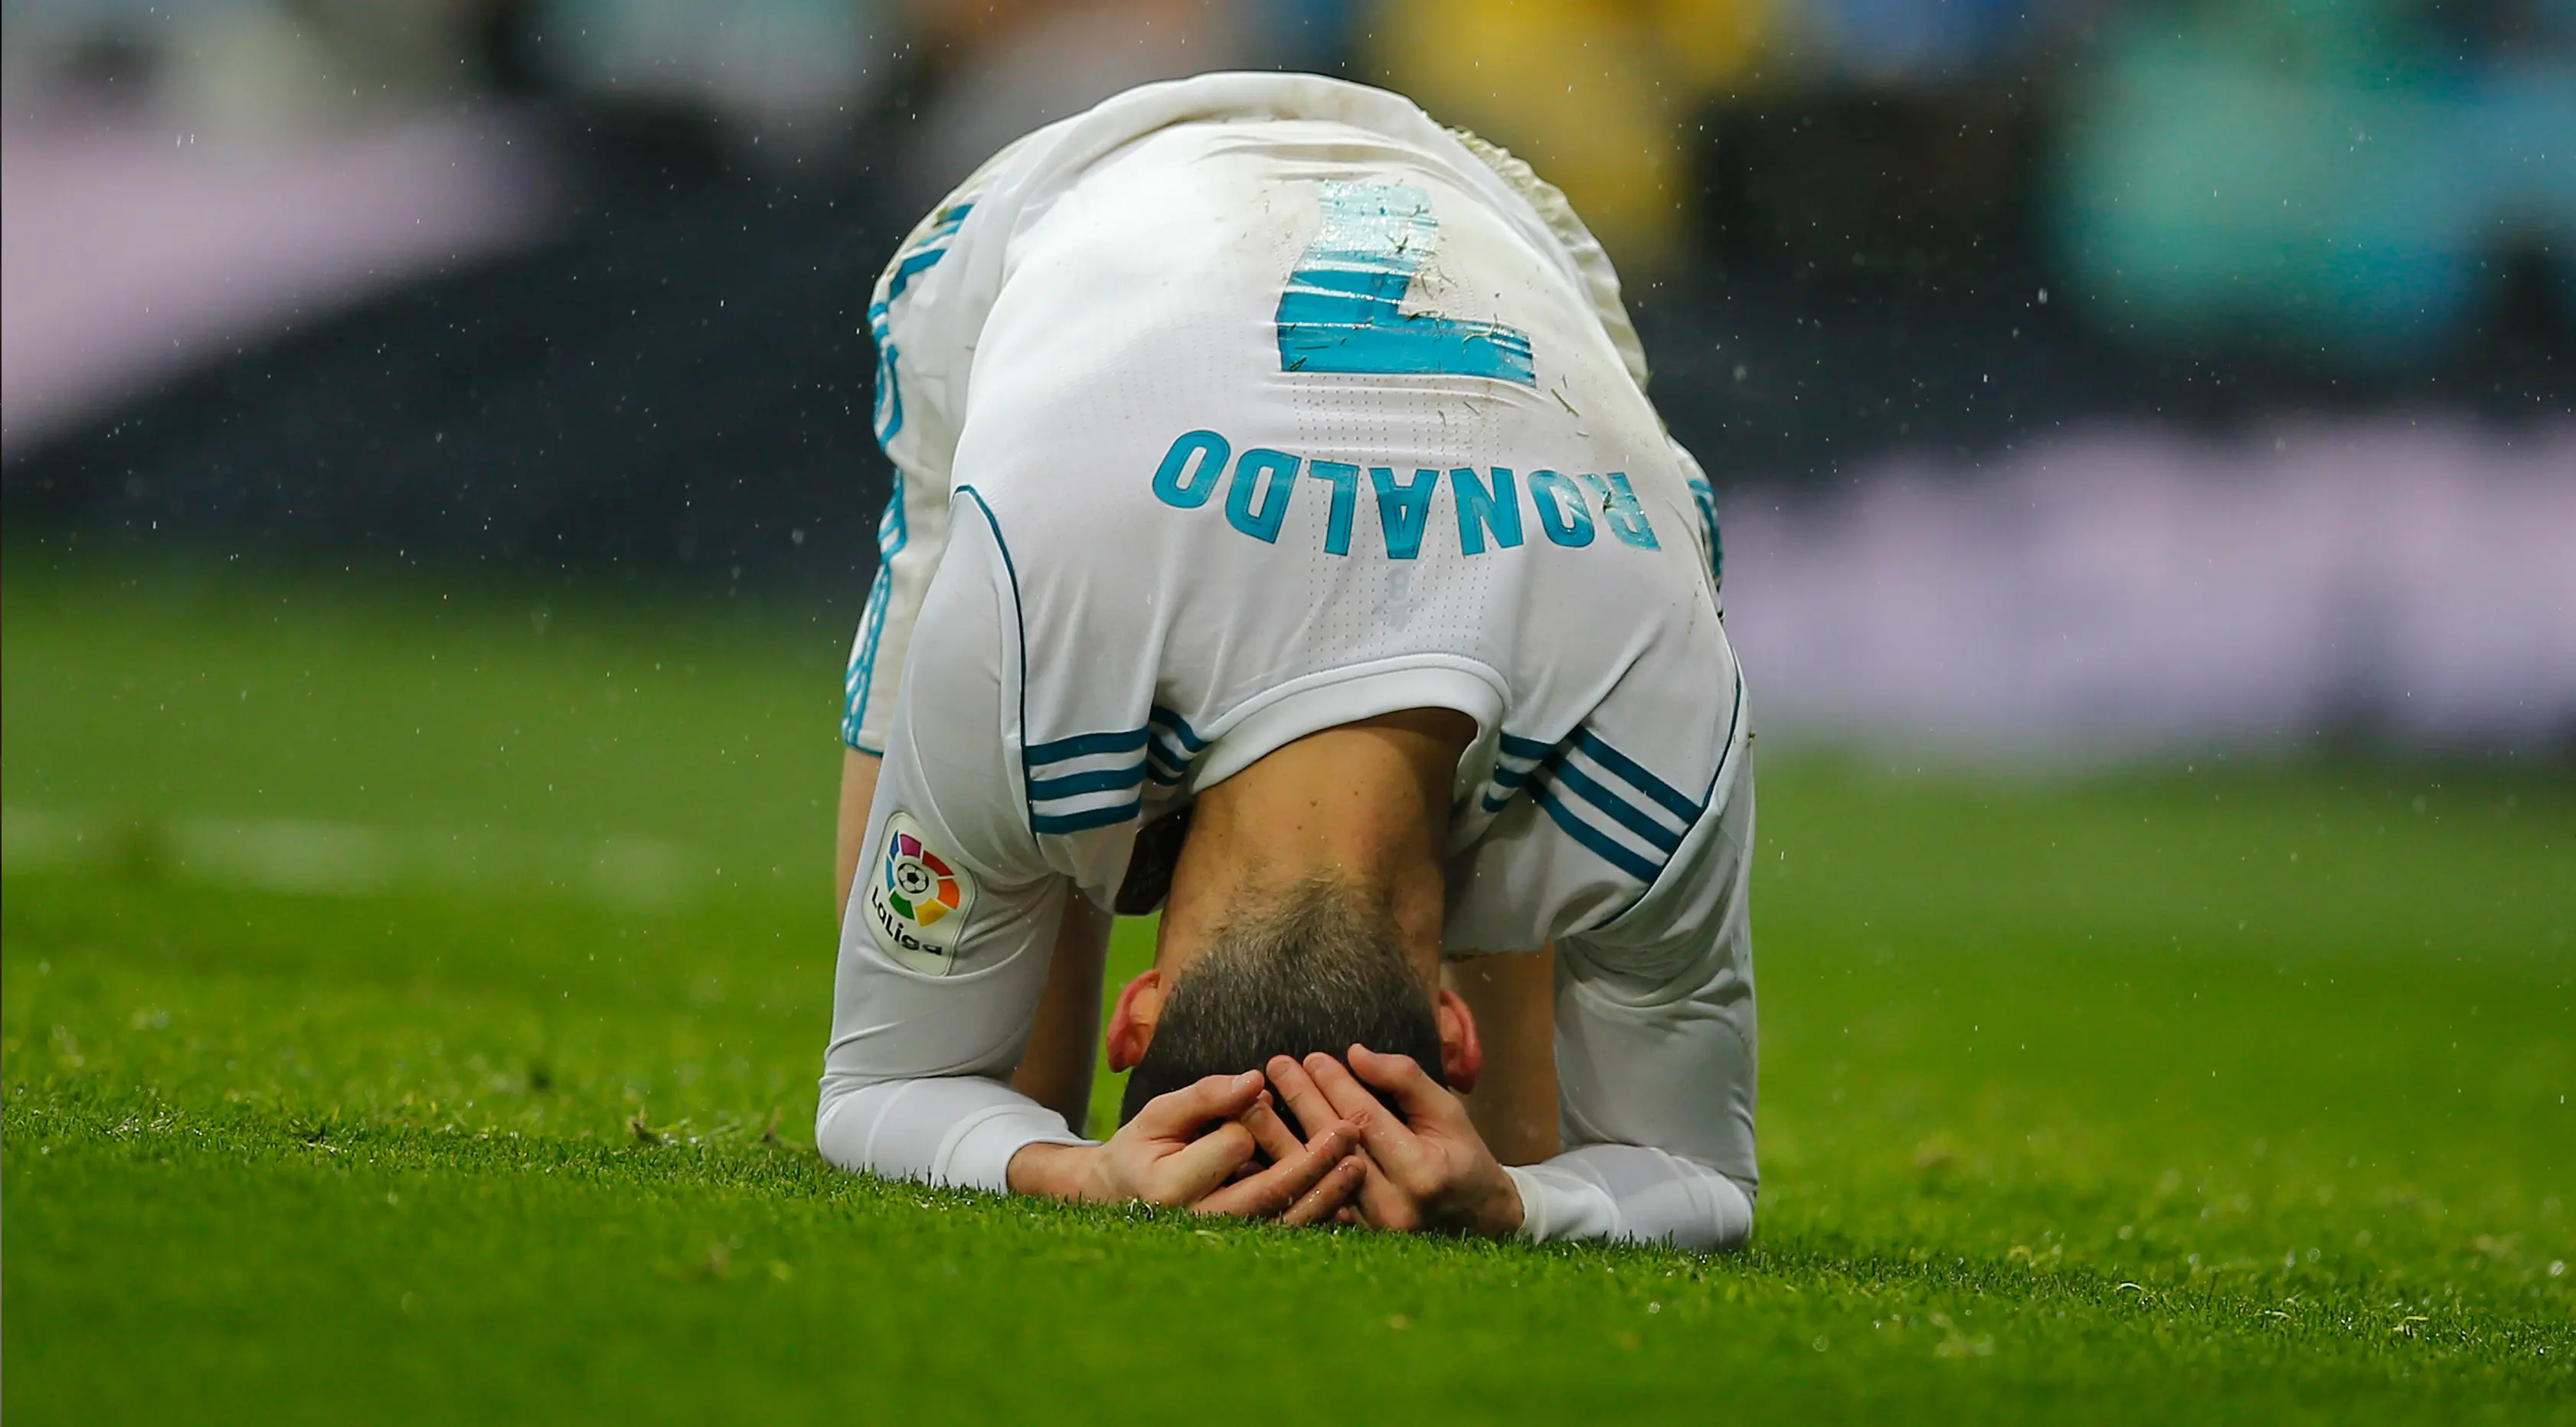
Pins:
<point x="851" y="1121"/>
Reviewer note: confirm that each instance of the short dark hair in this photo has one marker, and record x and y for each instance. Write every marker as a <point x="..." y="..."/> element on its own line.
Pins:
<point x="1313" y="965"/>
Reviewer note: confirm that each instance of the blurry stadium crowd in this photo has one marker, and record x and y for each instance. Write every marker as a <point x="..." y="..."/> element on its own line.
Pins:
<point x="2361" y="176"/>
<point x="2078" y="374"/>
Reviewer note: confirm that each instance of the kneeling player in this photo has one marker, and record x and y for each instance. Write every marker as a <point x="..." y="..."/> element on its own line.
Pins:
<point x="1282" y="537"/>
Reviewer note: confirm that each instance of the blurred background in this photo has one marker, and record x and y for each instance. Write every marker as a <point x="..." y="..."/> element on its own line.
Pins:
<point x="2081" y="378"/>
<point x="439" y="490"/>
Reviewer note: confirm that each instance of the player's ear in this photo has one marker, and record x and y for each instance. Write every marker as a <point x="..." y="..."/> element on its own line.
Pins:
<point x="1462" y="1056"/>
<point x="1131" y="1026"/>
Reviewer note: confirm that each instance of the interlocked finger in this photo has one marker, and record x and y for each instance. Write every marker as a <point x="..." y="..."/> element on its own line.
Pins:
<point x="1331" y="1196"/>
<point x="1298" y="1090"/>
<point x="1270" y="1132"/>
<point x="1188" y="1174"/>
<point x="1174" y="1115"/>
<point x="1280" y="1187"/>
<point x="1393" y="1145"/>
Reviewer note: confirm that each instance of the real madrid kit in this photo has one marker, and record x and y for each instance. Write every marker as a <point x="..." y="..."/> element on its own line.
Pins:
<point x="1236" y="409"/>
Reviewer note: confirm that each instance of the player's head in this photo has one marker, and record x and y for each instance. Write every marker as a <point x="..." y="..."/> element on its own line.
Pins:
<point x="1305" y="914"/>
<point x="1310" y="964"/>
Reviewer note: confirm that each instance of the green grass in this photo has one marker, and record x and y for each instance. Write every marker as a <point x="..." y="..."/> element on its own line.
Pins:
<point x="2220" y="1094"/>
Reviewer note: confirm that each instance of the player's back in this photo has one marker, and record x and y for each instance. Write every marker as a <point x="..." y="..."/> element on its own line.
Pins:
<point x="1301" y="285"/>
<point x="1284" y="419"/>
<point x="1286" y="425"/>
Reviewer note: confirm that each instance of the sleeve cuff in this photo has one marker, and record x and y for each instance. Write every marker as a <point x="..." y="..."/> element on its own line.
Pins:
<point x="979" y="1150"/>
<point x="1557" y="1205"/>
<point x="1632" y="1192"/>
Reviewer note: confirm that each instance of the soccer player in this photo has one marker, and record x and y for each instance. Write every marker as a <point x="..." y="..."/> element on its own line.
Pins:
<point x="1282" y="537"/>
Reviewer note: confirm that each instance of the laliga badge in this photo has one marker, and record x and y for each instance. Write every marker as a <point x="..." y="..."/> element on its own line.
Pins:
<point x="918" y="901"/>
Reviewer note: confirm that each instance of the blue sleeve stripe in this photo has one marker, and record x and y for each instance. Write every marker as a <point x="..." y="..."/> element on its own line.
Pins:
<point x="910" y="268"/>
<point x="1509" y="779"/>
<point x="1626" y="814"/>
<point x="1644" y="782"/>
<point x="862" y="673"/>
<point x="1083" y="745"/>
<point x="1076" y="784"/>
<point x="1058" y="824"/>
<point x="1165" y="766"/>
<point x="889" y="411"/>
<point x="894" y="532"/>
<point x="892" y="535"/>
<point x="1177" y="726"/>
<point x="1526" y="747"/>
<point x="1593" y="839"/>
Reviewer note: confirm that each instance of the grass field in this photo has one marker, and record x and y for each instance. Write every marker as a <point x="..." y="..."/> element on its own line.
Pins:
<point x="412" y="1008"/>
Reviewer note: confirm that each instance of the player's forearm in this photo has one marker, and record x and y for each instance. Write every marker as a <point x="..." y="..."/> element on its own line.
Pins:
<point x="963" y="1130"/>
<point x="1513" y="999"/>
<point x="1054" y="1171"/>
<point x="1632" y="1192"/>
<point x="1657" y="1091"/>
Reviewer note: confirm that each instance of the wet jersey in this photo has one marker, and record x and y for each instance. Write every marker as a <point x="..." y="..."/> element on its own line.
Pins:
<point x="1233" y="410"/>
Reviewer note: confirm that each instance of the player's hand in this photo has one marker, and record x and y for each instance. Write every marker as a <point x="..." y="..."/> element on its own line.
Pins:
<point x="1182" y="1147"/>
<point x="1185" y="1148"/>
<point x="1308" y="1182"/>
<point x="1428" y="1168"/>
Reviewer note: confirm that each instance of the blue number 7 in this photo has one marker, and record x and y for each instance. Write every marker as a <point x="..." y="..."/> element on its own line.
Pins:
<point x="1338" y="312"/>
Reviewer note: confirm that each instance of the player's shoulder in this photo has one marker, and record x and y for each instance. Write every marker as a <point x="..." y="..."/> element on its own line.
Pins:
<point x="940" y="230"/>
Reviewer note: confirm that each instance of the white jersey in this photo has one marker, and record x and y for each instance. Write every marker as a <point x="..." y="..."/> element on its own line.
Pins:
<point x="1240" y="408"/>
